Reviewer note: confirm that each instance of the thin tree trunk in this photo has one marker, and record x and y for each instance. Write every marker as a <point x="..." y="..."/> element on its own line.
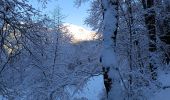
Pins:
<point x="130" y="25"/>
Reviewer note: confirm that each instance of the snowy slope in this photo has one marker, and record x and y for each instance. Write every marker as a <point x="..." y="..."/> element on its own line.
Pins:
<point x="80" y="33"/>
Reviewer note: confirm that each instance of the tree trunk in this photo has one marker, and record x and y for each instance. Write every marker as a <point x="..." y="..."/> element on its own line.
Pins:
<point x="108" y="57"/>
<point x="165" y="29"/>
<point x="150" y="21"/>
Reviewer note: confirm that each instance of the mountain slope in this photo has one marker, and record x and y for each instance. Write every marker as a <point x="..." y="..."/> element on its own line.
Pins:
<point x="80" y="33"/>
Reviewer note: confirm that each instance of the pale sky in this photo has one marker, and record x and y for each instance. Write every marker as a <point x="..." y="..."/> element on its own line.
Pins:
<point x="73" y="14"/>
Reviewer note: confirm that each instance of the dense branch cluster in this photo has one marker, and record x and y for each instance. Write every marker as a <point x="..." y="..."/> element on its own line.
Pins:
<point x="37" y="58"/>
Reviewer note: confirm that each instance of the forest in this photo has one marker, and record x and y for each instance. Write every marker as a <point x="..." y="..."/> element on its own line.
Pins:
<point x="44" y="58"/>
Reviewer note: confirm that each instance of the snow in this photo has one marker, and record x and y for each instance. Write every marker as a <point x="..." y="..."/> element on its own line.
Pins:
<point x="165" y="79"/>
<point x="80" y="33"/>
<point x="163" y="94"/>
<point x="93" y="88"/>
<point x="108" y="57"/>
<point x="2" y="98"/>
<point x="108" y="54"/>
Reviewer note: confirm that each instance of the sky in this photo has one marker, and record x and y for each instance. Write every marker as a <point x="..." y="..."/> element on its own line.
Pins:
<point x="74" y="15"/>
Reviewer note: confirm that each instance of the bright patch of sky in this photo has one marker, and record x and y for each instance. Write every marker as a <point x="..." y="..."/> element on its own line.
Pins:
<point x="73" y="14"/>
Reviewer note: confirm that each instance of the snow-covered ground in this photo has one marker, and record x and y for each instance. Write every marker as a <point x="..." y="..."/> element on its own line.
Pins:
<point x="92" y="90"/>
<point x="2" y="98"/>
<point x="95" y="86"/>
<point x="163" y="94"/>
